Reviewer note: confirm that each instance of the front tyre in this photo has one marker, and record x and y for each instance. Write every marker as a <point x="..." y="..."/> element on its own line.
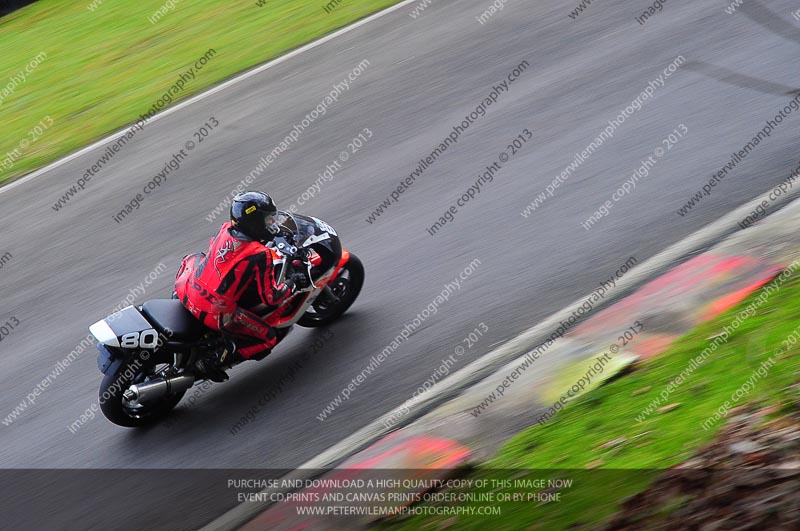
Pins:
<point x="346" y="286"/>
<point x="130" y="414"/>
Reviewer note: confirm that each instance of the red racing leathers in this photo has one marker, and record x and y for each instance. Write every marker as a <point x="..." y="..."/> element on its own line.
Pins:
<point x="221" y="288"/>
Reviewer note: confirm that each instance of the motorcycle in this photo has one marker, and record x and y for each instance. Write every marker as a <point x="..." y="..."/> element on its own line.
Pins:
<point x="148" y="354"/>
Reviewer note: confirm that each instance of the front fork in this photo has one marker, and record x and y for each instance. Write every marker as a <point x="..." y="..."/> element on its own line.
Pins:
<point x="328" y="293"/>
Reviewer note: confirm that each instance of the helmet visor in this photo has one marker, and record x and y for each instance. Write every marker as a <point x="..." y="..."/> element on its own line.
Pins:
<point x="271" y="223"/>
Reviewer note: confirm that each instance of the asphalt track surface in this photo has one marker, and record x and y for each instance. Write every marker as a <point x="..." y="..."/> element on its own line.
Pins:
<point x="70" y="268"/>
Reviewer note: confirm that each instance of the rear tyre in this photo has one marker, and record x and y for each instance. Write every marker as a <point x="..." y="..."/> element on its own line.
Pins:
<point x="346" y="287"/>
<point x="130" y="414"/>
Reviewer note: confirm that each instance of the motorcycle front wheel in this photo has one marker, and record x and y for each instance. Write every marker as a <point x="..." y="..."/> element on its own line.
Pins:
<point x="346" y="286"/>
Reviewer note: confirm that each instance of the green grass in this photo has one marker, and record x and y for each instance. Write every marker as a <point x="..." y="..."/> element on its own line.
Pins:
<point x="104" y="68"/>
<point x="573" y="440"/>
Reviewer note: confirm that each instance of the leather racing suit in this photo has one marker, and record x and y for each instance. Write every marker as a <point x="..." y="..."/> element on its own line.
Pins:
<point x="224" y="287"/>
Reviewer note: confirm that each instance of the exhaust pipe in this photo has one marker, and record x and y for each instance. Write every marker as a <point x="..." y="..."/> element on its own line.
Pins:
<point x="157" y="389"/>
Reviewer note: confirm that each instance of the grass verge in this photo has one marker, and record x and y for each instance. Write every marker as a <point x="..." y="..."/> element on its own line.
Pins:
<point x="600" y="431"/>
<point x="78" y="70"/>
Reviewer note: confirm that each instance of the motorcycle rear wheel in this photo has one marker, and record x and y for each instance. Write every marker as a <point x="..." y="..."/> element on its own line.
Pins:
<point x="116" y="408"/>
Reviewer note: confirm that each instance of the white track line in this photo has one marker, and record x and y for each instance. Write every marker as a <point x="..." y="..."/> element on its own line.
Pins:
<point x="207" y="93"/>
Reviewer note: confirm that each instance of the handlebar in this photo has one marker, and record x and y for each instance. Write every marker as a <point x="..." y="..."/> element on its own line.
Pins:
<point x="292" y="254"/>
<point x="284" y="247"/>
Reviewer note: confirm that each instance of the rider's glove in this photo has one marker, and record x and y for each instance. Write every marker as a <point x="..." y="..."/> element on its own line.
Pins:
<point x="300" y="280"/>
<point x="289" y="283"/>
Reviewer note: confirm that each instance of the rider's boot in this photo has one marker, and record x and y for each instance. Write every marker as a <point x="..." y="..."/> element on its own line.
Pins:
<point x="213" y="366"/>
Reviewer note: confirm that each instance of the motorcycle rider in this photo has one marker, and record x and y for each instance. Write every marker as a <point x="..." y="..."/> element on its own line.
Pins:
<point x="224" y="287"/>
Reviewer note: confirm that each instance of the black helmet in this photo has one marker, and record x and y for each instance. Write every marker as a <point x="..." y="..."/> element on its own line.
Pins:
<point x="254" y="214"/>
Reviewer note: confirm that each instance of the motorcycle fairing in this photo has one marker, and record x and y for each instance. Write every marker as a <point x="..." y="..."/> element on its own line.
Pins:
<point x="110" y="330"/>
